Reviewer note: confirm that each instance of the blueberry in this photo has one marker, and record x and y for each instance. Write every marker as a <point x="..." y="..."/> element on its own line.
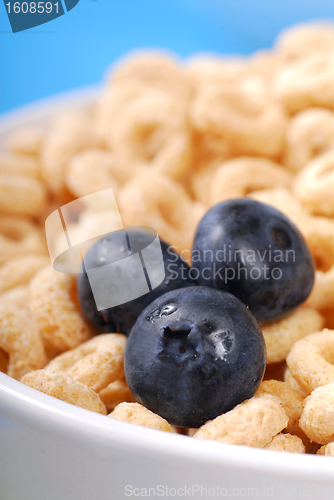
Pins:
<point x="193" y="354"/>
<point x="255" y="252"/>
<point x="115" y="247"/>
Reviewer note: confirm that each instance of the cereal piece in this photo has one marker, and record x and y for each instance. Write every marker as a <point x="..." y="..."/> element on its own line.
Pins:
<point x="201" y="181"/>
<point x="327" y="450"/>
<point x="115" y="393"/>
<point x="19" y="164"/>
<point x="66" y="389"/>
<point x="244" y="115"/>
<point x="322" y="294"/>
<point x="19" y="336"/>
<point x="71" y="132"/>
<point x="152" y="131"/>
<point x="139" y="415"/>
<point x="61" y="324"/>
<point x="96" y="363"/>
<point x="309" y="134"/>
<point x="315" y="183"/>
<point x="252" y="423"/>
<point x="205" y="69"/>
<point x="94" y="170"/>
<point x="151" y="70"/>
<point x="21" y="195"/>
<point x="238" y="177"/>
<point x="306" y="83"/>
<point x="311" y="360"/>
<point x="291" y="400"/>
<point x="286" y="442"/>
<point x="26" y="141"/>
<point x="281" y="335"/>
<point x="305" y="39"/>
<point x="317" y="420"/>
<point x="155" y="200"/>
<point x="288" y="379"/>
<point x="20" y="270"/>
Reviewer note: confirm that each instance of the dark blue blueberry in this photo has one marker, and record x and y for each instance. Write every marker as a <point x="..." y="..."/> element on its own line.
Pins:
<point x="255" y="252"/>
<point x="114" y="247"/>
<point x="193" y="354"/>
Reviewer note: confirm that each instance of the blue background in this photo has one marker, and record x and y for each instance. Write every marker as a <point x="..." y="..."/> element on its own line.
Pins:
<point x="76" y="48"/>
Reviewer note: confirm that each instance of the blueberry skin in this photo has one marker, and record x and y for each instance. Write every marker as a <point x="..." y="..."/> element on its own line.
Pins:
<point x="275" y="281"/>
<point x="193" y="354"/>
<point x="122" y="318"/>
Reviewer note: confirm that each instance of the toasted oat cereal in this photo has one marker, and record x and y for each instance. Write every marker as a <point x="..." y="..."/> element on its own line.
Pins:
<point x="286" y="442"/>
<point x="306" y="83"/>
<point x="282" y="334"/>
<point x="96" y="363"/>
<point x="317" y="419"/>
<point x="315" y="183"/>
<point x="238" y="177"/>
<point x="252" y="423"/>
<point x="20" y="164"/>
<point x="66" y="389"/>
<point x="311" y="360"/>
<point x="115" y="393"/>
<point x="304" y="39"/>
<point x="139" y="415"/>
<point x="20" y="339"/>
<point x="60" y="322"/>
<point x="309" y="134"/>
<point x="20" y="270"/>
<point x="288" y="379"/>
<point x="26" y="141"/>
<point x="327" y="450"/>
<point x="21" y="195"/>
<point x="291" y="400"/>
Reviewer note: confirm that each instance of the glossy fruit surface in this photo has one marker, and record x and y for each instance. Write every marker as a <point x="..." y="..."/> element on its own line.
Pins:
<point x="114" y="247"/>
<point x="255" y="252"/>
<point x="193" y="354"/>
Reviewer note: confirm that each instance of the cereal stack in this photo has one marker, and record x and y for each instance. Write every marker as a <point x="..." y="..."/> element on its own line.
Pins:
<point x="172" y="140"/>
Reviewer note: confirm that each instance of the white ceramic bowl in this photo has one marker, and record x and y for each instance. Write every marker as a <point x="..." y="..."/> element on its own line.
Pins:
<point x="51" y="450"/>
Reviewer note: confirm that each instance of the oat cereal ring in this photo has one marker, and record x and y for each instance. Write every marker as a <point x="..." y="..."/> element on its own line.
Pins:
<point x="281" y="335"/>
<point x="53" y="306"/>
<point x="151" y="69"/>
<point x="19" y="236"/>
<point x="252" y="423"/>
<point x="115" y="393"/>
<point x="291" y="400"/>
<point x="94" y="170"/>
<point x="155" y="200"/>
<point x="135" y="413"/>
<point x="204" y="69"/>
<point x="309" y="134"/>
<point x="26" y="141"/>
<point x="306" y="83"/>
<point x="66" y="389"/>
<point x="238" y="177"/>
<point x="244" y="115"/>
<point x="286" y="442"/>
<point x="317" y="420"/>
<point x="21" y="195"/>
<point x="311" y="360"/>
<point x="96" y="363"/>
<point x="20" y="164"/>
<point x="327" y="450"/>
<point x="322" y="294"/>
<point x="71" y="132"/>
<point x="288" y="379"/>
<point x="314" y="185"/>
<point x="152" y="131"/>
<point x="303" y="40"/>
<point x="19" y="336"/>
<point x="20" y="270"/>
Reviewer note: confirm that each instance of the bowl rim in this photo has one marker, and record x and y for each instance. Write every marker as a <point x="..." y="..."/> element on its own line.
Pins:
<point x="20" y="401"/>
